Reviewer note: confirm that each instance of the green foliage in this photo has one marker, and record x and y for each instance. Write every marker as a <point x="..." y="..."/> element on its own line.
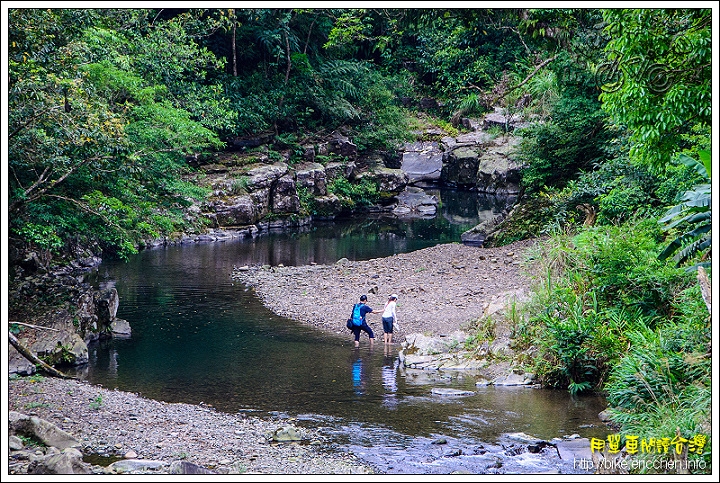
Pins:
<point x="43" y="236"/>
<point x="30" y="442"/>
<point x="354" y="194"/>
<point x="239" y="185"/>
<point x="307" y="201"/>
<point x="693" y="213"/>
<point x="544" y="90"/>
<point x="101" y="119"/>
<point x="591" y="290"/>
<point x="664" y="382"/>
<point x="579" y="342"/>
<point x="621" y="264"/>
<point x="556" y="151"/>
<point x="96" y="403"/>
<point x="483" y="330"/>
<point x="33" y="405"/>
<point x="656" y="79"/>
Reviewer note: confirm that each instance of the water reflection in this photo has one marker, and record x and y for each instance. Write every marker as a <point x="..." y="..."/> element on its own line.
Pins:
<point x="197" y="337"/>
<point x="358" y="380"/>
<point x="389" y="377"/>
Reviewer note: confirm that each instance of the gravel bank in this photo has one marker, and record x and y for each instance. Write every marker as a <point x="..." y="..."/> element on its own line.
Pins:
<point x="440" y="288"/>
<point x="115" y="423"/>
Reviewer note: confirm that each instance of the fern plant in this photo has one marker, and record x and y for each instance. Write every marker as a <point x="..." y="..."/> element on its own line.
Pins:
<point x="694" y="213"/>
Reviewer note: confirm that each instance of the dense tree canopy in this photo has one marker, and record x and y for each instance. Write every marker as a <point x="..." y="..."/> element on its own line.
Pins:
<point x="104" y="104"/>
<point x="657" y="79"/>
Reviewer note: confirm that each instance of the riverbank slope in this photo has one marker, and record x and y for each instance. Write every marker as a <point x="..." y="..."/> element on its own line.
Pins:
<point x="441" y="288"/>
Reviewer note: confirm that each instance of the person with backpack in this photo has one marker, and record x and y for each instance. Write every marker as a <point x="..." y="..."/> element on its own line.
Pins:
<point x="389" y="317"/>
<point x="357" y="320"/>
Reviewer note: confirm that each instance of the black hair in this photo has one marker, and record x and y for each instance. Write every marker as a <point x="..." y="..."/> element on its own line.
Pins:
<point x="363" y="297"/>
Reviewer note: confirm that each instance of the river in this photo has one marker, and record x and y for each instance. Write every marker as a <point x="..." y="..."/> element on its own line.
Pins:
<point x="199" y="337"/>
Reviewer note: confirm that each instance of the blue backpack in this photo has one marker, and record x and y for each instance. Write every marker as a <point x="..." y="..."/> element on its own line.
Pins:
<point x="357" y="315"/>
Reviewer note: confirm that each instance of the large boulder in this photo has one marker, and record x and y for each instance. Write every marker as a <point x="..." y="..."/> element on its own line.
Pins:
<point x="501" y="119"/>
<point x="234" y="210"/>
<point x="337" y="170"/>
<point x="284" y="196"/>
<point x="186" y="468"/>
<point x="498" y="173"/>
<point x="64" y="347"/>
<point x="40" y="430"/>
<point x="120" y="328"/>
<point x="460" y="167"/>
<point x="86" y="314"/>
<point x="390" y="182"/>
<point x="414" y="202"/>
<point x="67" y="462"/>
<point x="340" y="145"/>
<point x="264" y="176"/>
<point x="311" y="176"/>
<point x="106" y="305"/>
<point x="328" y="206"/>
<point x="423" y="162"/>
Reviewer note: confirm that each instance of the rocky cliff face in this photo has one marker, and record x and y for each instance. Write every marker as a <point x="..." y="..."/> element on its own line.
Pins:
<point x="474" y="161"/>
<point x="257" y="186"/>
<point x="57" y="311"/>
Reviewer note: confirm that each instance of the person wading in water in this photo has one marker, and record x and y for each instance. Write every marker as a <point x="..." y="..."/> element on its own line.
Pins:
<point x="389" y="318"/>
<point x="360" y="310"/>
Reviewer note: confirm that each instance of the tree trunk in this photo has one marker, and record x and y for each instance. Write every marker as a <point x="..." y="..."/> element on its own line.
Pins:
<point x="234" y="47"/>
<point x="27" y="353"/>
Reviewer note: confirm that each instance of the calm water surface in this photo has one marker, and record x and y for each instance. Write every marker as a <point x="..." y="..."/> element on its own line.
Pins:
<point x="199" y="337"/>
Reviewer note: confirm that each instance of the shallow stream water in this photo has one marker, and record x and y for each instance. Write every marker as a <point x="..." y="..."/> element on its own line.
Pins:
<point x="199" y="337"/>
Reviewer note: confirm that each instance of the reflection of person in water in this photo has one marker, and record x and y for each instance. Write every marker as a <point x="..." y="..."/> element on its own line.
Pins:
<point x="389" y="379"/>
<point x="357" y="376"/>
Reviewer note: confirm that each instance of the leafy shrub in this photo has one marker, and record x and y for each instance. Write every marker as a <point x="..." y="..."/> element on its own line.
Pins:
<point x="663" y="384"/>
<point x="694" y="214"/>
<point x="363" y="193"/>
<point x="590" y="289"/>
<point x="557" y="151"/>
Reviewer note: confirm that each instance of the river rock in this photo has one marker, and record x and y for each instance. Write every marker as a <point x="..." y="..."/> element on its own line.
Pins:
<point x="414" y="202"/>
<point x="106" y="303"/>
<point x="187" y="468"/>
<point x="40" y="430"/>
<point x="460" y="167"/>
<point x="135" y="465"/>
<point x="285" y="197"/>
<point x="390" y="182"/>
<point x="15" y="443"/>
<point x="311" y="176"/>
<point x="341" y="145"/>
<point x="335" y="170"/>
<point x="515" y="380"/>
<point x="447" y="391"/>
<point x="264" y="176"/>
<point x="62" y="347"/>
<point x="422" y="161"/>
<point x="120" y="328"/>
<point x="69" y="462"/>
<point x="328" y="206"/>
<point x="287" y="433"/>
<point x="501" y="119"/>
<point x="498" y="173"/>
